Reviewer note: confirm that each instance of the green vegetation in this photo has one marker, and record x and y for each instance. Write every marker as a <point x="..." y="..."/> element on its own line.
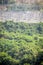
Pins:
<point x="21" y="43"/>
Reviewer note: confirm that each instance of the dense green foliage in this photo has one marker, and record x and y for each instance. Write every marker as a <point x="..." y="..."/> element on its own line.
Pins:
<point x="21" y="43"/>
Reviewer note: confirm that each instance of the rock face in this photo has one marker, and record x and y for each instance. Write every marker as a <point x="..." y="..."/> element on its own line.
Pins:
<point x="3" y="8"/>
<point x="3" y="1"/>
<point x="12" y="4"/>
<point x="29" y="1"/>
<point x="22" y="1"/>
<point x="28" y="16"/>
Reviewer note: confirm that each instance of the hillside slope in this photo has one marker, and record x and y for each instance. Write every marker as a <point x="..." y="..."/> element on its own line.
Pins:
<point x="21" y="43"/>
